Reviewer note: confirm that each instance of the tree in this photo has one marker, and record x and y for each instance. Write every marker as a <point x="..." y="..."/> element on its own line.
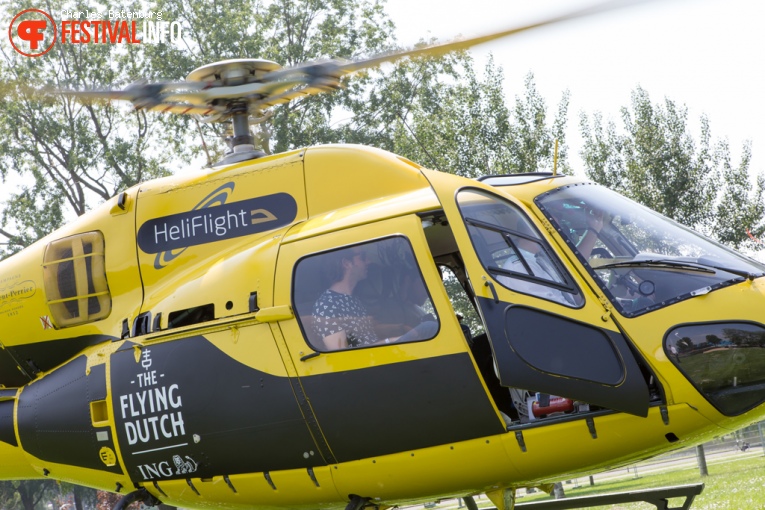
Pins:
<point x="657" y="162"/>
<point x="81" y="497"/>
<point x="450" y="119"/>
<point x="26" y="495"/>
<point x="9" y="498"/>
<point x="741" y="206"/>
<point x="70" y="154"/>
<point x="532" y="142"/>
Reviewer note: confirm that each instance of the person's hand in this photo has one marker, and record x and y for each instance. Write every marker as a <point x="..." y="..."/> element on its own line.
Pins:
<point x="595" y="220"/>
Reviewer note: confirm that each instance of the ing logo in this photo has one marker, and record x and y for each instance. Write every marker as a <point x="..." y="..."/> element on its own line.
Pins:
<point x="32" y="32"/>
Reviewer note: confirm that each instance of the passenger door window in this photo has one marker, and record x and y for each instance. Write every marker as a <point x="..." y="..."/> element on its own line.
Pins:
<point x="363" y="295"/>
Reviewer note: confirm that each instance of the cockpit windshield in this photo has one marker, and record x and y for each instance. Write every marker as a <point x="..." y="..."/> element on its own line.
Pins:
<point x="641" y="259"/>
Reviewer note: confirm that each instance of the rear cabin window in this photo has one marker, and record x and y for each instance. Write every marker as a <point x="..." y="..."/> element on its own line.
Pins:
<point x="74" y="276"/>
<point x="365" y="295"/>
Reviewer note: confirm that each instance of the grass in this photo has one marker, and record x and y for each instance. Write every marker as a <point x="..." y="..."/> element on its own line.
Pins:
<point x="732" y="484"/>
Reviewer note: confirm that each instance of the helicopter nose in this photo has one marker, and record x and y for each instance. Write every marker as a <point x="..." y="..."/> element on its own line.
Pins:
<point x="14" y="465"/>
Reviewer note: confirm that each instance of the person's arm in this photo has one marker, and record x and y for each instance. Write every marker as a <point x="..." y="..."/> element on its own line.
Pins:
<point x="336" y="341"/>
<point x="594" y="224"/>
<point x="588" y="243"/>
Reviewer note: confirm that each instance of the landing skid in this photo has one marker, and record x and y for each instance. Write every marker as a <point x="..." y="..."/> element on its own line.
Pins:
<point x="658" y="497"/>
<point x="141" y="495"/>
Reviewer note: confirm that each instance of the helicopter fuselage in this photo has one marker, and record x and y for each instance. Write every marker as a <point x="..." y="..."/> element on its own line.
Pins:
<point x="174" y="338"/>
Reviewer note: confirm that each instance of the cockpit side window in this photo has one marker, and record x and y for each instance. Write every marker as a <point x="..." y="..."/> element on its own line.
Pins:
<point x="513" y="251"/>
<point x="75" y="279"/>
<point x="363" y="295"/>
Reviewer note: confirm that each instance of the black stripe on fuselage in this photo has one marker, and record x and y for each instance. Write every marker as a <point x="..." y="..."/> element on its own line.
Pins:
<point x="7" y="431"/>
<point x="401" y="406"/>
<point x="54" y="416"/>
<point x="41" y="356"/>
<point x="187" y="409"/>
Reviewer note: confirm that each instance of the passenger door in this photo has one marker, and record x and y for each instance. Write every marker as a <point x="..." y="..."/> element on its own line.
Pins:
<point x="548" y="331"/>
<point x="379" y="397"/>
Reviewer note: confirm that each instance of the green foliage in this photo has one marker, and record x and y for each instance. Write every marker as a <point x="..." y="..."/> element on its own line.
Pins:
<point x="741" y="206"/>
<point x="733" y="483"/>
<point x="9" y="498"/>
<point x="657" y="162"/>
<point x="461" y="302"/>
<point x="73" y="153"/>
<point x="27" y="494"/>
<point x="440" y="113"/>
<point x="532" y="142"/>
<point x="81" y="497"/>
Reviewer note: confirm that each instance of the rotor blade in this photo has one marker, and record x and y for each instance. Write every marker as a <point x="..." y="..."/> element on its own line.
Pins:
<point x="122" y="95"/>
<point x="184" y="109"/>
<point x="316" y="87"/>
<point x="248" y="91"/>
<point x="151" y="102"/>
<point x="138" y="91"/>
<point x="337" y="68"/>
<point x="457" y="45"/>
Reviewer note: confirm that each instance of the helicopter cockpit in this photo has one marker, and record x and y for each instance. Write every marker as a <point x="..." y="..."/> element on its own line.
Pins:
<point x="640" y="259"/>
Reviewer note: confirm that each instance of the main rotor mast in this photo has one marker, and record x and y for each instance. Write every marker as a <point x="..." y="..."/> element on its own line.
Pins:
<point x="240" y="111"/>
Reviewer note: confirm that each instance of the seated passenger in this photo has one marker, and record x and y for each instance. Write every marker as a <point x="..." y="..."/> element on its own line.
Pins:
<point x="340" y="318"/>
<point x="594" y="226"/>
<point x="402" y="309"/>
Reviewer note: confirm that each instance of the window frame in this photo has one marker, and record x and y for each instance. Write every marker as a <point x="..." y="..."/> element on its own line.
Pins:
<point x="85" y="276"/>
<point x="301" y="313"/>
<point x="567" y="284"/>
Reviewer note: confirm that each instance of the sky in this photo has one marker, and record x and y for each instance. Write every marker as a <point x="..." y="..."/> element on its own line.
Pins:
<point x="708" y="55"/>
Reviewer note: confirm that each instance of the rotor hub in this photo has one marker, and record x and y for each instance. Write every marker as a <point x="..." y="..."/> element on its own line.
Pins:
<point x="237" y="71"/>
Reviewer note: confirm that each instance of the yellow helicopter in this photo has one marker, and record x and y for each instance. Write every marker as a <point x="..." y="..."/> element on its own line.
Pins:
<point x="279" y="332"/>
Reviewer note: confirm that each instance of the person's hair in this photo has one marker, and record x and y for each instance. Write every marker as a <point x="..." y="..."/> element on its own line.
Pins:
<point x="333" y="264"/>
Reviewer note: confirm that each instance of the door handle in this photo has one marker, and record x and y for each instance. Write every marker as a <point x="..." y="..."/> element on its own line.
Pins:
<point x="489" y="284"/>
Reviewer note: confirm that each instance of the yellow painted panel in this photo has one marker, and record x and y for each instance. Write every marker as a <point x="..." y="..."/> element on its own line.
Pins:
<point x="24" y="314"/>
<point x="341" y="175"/>
<point x="218" y="242"/>
<point x="568" y="449"/>
<point x="293" y="489"/>
<point x="403" y="476"/>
